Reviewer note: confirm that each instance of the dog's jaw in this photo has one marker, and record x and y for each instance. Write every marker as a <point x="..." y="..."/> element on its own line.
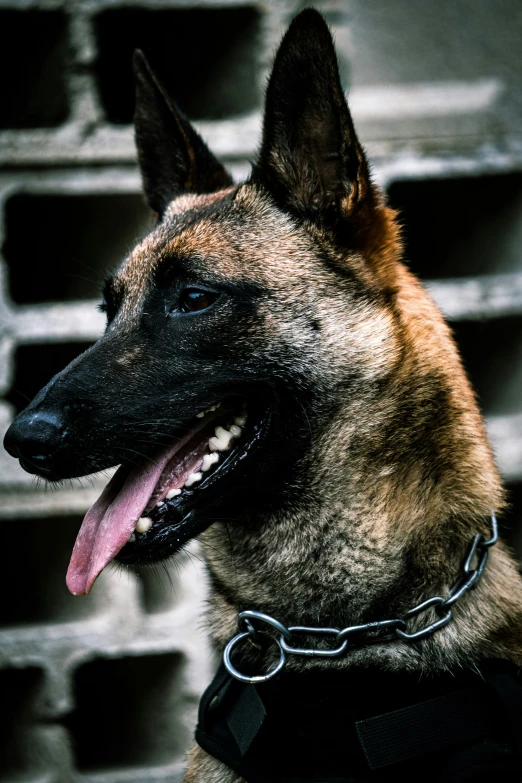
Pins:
<point x="150" y="510"/>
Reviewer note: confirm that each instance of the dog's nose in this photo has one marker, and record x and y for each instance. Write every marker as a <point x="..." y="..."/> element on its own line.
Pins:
<point x="33" y="438"/>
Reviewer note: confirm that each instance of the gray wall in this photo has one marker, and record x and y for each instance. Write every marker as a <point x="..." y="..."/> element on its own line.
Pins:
<point x="435" y="91"/>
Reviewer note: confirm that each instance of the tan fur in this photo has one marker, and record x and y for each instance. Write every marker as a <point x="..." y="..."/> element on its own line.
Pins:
<point x="190" y="201"/>
<point x="202" y="767"/>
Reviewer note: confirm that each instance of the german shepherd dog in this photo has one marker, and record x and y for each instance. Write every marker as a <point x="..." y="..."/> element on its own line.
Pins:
<point x="274" y="380"/>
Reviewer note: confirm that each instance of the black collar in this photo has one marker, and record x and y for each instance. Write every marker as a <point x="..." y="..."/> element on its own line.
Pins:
<point x="357" y="725"/>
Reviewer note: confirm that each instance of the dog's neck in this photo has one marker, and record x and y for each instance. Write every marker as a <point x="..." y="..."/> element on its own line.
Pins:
<point x="395" y="488"/>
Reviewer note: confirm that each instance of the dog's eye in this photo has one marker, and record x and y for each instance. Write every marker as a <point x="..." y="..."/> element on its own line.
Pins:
<point x="195" y="299"/>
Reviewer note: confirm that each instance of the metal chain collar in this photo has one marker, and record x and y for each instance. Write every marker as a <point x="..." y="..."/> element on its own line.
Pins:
<point x="359" y="635"/>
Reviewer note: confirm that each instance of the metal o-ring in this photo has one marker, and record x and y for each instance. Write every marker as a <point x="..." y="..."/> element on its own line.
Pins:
<point x="227" y="655"/>
<point x="251" y="614"/>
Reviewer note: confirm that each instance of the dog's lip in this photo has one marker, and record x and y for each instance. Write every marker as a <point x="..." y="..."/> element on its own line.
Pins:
<point x="30" y="467"/>
<point x="183" y="518"/>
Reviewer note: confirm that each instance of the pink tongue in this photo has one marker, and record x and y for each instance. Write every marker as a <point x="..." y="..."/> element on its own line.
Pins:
<point x="111" y="520"/>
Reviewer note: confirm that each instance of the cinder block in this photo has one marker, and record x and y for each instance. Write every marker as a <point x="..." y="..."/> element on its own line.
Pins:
<point x="206" y="57"/>
<point x="59" y="247"/>
<point x="492" y="354"/>
<point x="33" y="63"/>
<point x="437" y="44"/>
<point x="160" y="587"/>
<point x="44" y="547"/>
<point x="127" y="712"/>
<point x="23" y="756"/>
<point x="512" y="519"/>
<point x="35" y="365"/>
<point x="462" y="226"/>
<point x="440" y="41"/>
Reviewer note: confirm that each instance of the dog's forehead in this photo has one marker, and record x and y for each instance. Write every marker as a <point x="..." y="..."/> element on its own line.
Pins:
<point x="245" y="238"/>
<point x="164" y="242"/>
<point x="231" y="234"/>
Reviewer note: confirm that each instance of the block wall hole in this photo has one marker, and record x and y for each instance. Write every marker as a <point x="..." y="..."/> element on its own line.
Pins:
<point x="35" y="365"/>
<point x="461" y="227"/>
<point x="511" y="520"/>
<point x="127" y="712"/>
<point x="59" y="248"/>
<point x="492" y="354"/>
<point x="160" y="587"/>
<point x="206" y="58"/>
<point x="33" y="59"/>
<point x="20" y="756"/>
<point x="33" y="576"/>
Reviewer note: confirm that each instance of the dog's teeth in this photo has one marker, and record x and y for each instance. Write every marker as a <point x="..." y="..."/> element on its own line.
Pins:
<point x="143" y="524"/>
<point x="236" y="430"/>
<point x="192" y="478"/>
<point x="172" y="493"/>
<point x="240" y="421"/>
<point x="132" y="538"/>
<point x="221" y="441"/>
<point x="208" y="461"/>
<point x="160" y="503"/>
<point x="200" y="415"/>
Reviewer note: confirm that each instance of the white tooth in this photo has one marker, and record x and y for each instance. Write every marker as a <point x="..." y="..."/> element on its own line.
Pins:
<point x="224" y="435"/>
<point x="192" y="478"/>
<point x="235" y="430"/>
<point x="200" y="415"/>
<point x="132" y="538"/>
<point x="212" y="407"/>
<point x="221" y="441"/>
<point x="143" y="524"/>
<point x="208" y="461"/>
<point x="240" y="421"/>
<point x="172" y="493"/>
<point x="160" y="503"/>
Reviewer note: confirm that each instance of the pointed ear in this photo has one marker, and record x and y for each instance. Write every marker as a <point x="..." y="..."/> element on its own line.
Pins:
<point x="173" y="158"/>
<point x="311" y="159"/>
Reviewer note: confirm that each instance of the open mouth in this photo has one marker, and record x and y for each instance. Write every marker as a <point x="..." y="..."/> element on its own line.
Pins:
<point x="150" y="510"/>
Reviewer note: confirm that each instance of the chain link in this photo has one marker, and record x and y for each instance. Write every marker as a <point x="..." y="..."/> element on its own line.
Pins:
<point x="359" y="635"/>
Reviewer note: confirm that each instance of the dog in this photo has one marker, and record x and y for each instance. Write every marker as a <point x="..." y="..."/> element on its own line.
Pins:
<point x="274" y="380"/>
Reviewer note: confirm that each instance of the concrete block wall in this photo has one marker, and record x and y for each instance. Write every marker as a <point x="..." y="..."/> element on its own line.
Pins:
<point x="104" y="688"/>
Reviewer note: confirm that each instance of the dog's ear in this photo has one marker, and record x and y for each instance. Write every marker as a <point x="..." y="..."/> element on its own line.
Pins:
<point x="311" y="159"/>
<point x="173" y="158"/>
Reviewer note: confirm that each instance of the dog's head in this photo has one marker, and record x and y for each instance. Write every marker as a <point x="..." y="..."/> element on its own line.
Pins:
<point x="234" y="329"/>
